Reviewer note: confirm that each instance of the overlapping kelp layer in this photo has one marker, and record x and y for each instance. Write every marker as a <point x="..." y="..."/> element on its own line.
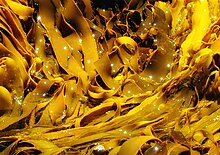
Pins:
<point x="109" y="77"/>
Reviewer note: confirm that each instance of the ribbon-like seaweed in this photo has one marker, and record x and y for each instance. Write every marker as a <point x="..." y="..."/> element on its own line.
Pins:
<point x="120" y="77"/>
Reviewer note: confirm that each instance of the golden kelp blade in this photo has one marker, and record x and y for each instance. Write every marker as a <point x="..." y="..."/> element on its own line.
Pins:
<point x="109" y="77"/>
<point x="21" y="10"/>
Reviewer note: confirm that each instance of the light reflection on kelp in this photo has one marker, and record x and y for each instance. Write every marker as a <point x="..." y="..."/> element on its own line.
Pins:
<point x="109" y="77"/>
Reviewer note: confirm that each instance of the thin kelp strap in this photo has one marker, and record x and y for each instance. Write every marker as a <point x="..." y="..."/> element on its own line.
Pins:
<point x="128" y="77"/>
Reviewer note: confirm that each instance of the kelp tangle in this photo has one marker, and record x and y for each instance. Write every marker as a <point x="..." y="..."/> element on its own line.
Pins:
<point x="120" y="77"/>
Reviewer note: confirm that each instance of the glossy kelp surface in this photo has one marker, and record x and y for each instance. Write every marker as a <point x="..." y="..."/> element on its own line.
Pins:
<point x="124" y="77"/>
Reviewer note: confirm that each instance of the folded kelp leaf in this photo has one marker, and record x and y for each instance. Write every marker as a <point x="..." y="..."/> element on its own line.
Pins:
<point x="6" y="99"/>
<point x="109" y="77"/>
<point x="21" y="10"/>
<point x="133" y="145"/>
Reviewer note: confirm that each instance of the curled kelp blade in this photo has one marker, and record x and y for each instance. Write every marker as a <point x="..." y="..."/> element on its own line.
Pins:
<point x="6" y="99"/>
<point x="128" y="77"/>
<point x="20" y="9"/>
<point x="133" y="145"/>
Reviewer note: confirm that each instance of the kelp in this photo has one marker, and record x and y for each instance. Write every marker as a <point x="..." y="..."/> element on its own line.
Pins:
<point x="109" y="77"/>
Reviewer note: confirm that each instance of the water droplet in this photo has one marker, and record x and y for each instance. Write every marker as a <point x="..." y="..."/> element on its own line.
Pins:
<point x="156" y="148"/>
<point x="38" y="18"/>
<point x="44" y="94"/>
<point x="98" y="150"/>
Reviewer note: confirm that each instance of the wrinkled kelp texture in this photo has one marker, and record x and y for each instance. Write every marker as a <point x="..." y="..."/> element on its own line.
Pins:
<point x="128" y="77"/>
